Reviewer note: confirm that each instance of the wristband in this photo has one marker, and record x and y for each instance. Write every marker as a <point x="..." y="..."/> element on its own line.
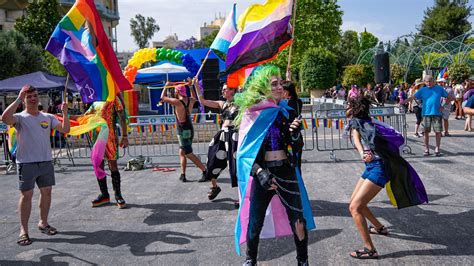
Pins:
<point x="18" y="100"/>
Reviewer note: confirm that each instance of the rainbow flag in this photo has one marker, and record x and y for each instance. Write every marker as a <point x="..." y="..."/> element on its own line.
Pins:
<point x="305" y="125"/>
<point x="316" y="123"/>
<point x="226" y="33"/>
<point x="81" y="45"/>
<point x="443" y="73"/>
<point x="130" y="99"/>
<point x="12" y="144"/>
<point x="263" y="31"/>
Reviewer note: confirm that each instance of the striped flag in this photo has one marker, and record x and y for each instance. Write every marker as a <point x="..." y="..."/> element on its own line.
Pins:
<point x="263" y="31"/>
<point x="81" y="45"/>
<point x="305" y="125"/>
<point x="226" y="33"/>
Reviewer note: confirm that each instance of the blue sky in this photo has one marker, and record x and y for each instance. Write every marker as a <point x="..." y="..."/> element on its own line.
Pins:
<point x="387" y="19"/>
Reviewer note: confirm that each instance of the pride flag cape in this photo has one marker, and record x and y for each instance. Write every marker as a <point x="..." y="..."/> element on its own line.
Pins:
<point x="226" y="33"/>
<point x="87" y="123"/>
<point x="81" y="45"/>
<point x="405" y="188"/>
<point x="253" y="129"/>
<point x="263" y="31"/>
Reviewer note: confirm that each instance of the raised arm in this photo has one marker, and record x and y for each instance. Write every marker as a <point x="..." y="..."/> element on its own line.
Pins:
<point x="7" y="116"/>
<point x="167" y="99"/>
<point x="65" y="126"/>
<point x="208" y="103"/>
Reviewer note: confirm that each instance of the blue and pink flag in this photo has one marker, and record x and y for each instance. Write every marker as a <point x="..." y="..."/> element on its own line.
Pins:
<point x="81" y="45"/>
<point x="263" y="31"/>
<point x="443" y="73"/>
<point x="226" y="33"/>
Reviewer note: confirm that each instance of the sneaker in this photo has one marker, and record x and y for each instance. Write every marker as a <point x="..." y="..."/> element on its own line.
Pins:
<point x="101" y="200"/>
<point x="416" y="135"/>
<point x="182" y="178"/>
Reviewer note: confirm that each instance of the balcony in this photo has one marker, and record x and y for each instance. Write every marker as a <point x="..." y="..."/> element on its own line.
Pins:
<point x="111" y="14"/>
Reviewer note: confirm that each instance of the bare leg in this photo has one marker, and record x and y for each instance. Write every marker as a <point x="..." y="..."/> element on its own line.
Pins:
<point x="446" y="126"/>
<point x="44" y="205"/>
<point x="196" y="161"/>
<point x="366" y="193"/>
<point x="214" y="182"/>
<point x="366" y="211"/>
<point x="438" y="141"/>
<point x="417" y="128"/>
<point x="427" y="141"/>
<point x="182" y="161"/>
<point x="24" y="210"/>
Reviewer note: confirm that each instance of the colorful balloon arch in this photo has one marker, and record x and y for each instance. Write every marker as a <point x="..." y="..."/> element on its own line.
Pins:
<point x="155" y="55"/>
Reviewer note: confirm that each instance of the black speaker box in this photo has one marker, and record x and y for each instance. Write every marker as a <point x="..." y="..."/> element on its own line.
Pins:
<point x="382" y="68"/>
<point x="210" y="70"/>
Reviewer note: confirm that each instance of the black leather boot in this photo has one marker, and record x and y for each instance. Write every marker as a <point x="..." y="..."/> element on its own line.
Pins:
<point x="118" y="194"/>
<point x="104" y="197"/>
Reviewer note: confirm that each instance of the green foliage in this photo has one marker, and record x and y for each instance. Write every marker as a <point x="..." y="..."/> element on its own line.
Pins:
<point x="318" y="70"/>
<point x="348" y="50"/>
<point x="17" y="55"/>
<point x="40" y="21"/>
<point x="397" y="73"/>
<point x="367" y="40"/>
<point x="434" y="59"/>
<point x="318" y="24"/>
<point x="207" y="41"/>
<point x="446" y="19"/>
<point x="142" y="29"/>
<point x="304" y="94"/>
<point x="357" y="74"/>
<point x="53" y="65"/>
<point x="459" y="71"/>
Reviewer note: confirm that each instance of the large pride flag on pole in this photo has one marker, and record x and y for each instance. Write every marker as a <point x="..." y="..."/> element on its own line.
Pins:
<point x="263" y="31"/>
<point x="226" y="33"/>
<point x="81" y="45"/>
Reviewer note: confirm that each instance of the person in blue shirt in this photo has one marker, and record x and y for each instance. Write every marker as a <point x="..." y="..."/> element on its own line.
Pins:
<point x="431" y="95"/>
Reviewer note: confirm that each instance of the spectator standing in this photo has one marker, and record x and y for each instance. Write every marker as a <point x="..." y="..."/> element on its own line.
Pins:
<point x="33" y="157"/>
<point x="446" y="103"/>
<point x="431" y="95"/>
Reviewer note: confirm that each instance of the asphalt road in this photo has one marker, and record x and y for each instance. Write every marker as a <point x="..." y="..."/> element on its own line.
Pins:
<point x="173" y="223"/>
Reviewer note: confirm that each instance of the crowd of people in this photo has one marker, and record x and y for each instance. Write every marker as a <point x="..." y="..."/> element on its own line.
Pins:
<point x="260" y="141"/>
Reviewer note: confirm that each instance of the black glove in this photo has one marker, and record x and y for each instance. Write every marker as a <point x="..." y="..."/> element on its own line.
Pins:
<point x="265" y="178"/>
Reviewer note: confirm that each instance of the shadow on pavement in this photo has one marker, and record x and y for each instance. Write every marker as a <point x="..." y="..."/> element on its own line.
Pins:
<point x="275" y="248"/>
<point x="173" y="213"/>
<point x="137" y="241"/>
<point x="47" y="260"/>
<point x="454" y="231"/>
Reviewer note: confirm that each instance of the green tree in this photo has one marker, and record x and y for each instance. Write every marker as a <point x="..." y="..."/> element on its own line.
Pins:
<point x="17" y="55"/>
<point x="143" y="30"/>
<point x="318" y="24"/>
<point x="40" y="21"/>
<point x="446" y="19"/>
<point x="318" y="70"/>
<point x="397" y="73"/>
<point x="348" y="50"/>
<point x="207" y="41"/>
<point x="459" y="71"/>
<point x="367" y="40"/>
<point x="357" y="74"/>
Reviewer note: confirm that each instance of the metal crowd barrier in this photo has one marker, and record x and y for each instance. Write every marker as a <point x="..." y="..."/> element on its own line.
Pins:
<point x="332" y="136"/>
<point x="155" y="136"/>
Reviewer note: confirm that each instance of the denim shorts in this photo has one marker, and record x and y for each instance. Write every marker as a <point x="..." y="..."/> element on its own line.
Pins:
<point x="375" y="172"/>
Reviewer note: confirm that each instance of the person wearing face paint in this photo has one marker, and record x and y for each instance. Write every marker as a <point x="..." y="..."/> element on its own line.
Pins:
<point x="266" y="168"/>
<point x="223" y="146"/>
<point x="183" y="106"/>
<point x="33" y="157"/>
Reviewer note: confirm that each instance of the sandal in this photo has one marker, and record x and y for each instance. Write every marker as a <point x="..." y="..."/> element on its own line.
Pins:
<point x="437" y="153"/>
<point x="381" y="231"/>
<point x="24" y="240"/>
<point x="213" y="192"/>
<point x="365" y="254"/>
<point x="426" y="153"/>
<point x="48" y="230"/>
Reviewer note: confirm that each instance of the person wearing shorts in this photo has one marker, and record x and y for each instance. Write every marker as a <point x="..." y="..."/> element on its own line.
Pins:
<point x="431" y="95"/>
<point x="33" y="156"/>
<point x="184" y="127"/>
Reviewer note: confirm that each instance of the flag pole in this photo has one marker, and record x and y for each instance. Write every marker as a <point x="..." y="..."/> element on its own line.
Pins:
<point x="197" y="77"/>
<point x="288" y="67"/>
<point x="65" y="89"/>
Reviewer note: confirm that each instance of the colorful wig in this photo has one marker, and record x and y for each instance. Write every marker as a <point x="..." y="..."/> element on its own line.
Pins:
<point x="257" y="88"/>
